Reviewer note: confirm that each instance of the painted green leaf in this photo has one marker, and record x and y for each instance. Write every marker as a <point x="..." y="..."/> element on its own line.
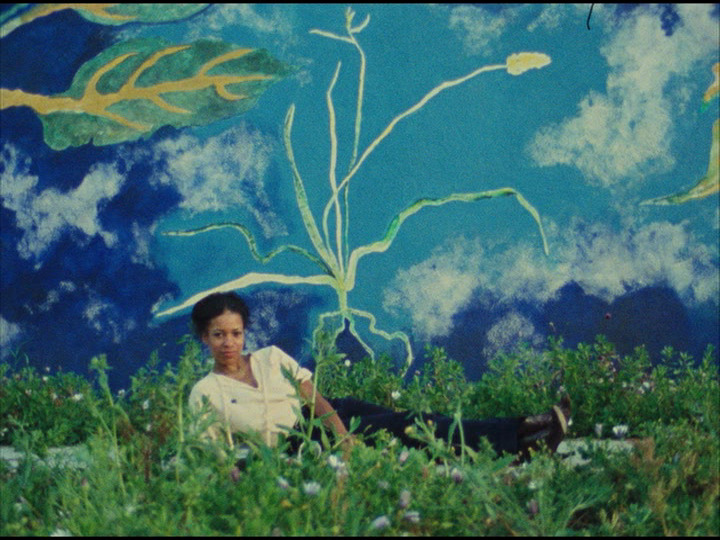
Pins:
<point x="108" y="14"/>
<point x="134" y="88"/>
<point x="146" y="13"/>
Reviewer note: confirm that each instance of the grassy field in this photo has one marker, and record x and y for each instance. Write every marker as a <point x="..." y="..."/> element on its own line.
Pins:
<point x="145" y="469"/>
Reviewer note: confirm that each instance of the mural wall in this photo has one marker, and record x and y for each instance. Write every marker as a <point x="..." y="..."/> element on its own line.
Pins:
<point x="475" y="177"/>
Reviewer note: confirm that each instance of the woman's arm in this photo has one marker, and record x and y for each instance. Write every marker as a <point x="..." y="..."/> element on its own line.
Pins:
<point x="322" y="407"/>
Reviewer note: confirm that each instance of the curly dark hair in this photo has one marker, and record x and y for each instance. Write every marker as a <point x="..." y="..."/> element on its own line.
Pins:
<point x="216" y="304"/>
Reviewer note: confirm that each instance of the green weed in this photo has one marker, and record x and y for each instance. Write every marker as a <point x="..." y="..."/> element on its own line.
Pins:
<point x="148" y="470"/>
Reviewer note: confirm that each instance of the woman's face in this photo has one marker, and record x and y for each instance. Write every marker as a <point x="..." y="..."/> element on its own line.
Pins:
<point x="225" y="337"/>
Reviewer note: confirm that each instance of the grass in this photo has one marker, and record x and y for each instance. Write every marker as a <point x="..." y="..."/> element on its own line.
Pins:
<point x="150" y="472"/>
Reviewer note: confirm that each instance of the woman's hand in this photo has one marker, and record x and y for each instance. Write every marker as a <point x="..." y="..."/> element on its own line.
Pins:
<point x="347" y="444"/>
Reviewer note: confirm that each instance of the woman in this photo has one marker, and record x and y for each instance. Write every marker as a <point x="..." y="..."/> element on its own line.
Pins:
<point x="251" y="393"/>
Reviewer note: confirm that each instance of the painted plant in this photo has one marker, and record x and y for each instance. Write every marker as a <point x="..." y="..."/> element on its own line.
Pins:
<point x="331" y="252"/>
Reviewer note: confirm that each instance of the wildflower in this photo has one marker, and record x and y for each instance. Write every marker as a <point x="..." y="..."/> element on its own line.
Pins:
<point x="60" y="532"/>
<point x="395" y="395"/>
<point x="311" y="488"/>
<point x="404" y="501"/>
<point x="348" y="363"/>
<point x="456" y="475"/>
<point x="383" y="484"/>
<point x="598" y="430"/>
<point x="121" y="393"/>
<point x="77" y="397"/>
<point x="620" y="431"/>
<point x="282" y="483"/>
<point x="45" y="378"/>
<point x="402" y="458"/>
<point x="146" y="405"/>
<point x="413" y="516"/>
<point x="380" y="523"/>
<point x="47" y="369"/>
<point x="334" y="461"/>
<point x="28" y="391"/>
<point x="338" y="465"/>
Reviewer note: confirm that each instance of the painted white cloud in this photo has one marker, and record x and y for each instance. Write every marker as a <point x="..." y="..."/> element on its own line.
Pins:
<point x="105" y="318"/>
<point x="479" y="29"/>
<point x="436" y="289"/>
<point x="9" y="335"/>
<point x="626" y="132"/>
<point x="264" y="324"/>
<point x="509" y="332"/>
<point x="604" y="262"/>
<point x="222" y="172"/>
<point x="44" y="215"/>
<point x="607" y="263"/>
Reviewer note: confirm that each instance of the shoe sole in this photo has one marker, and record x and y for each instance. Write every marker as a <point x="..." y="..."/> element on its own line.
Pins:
<point x="562" y="420"/>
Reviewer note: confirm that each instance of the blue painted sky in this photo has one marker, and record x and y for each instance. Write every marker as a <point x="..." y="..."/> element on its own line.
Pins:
<point x="615" y="119"/>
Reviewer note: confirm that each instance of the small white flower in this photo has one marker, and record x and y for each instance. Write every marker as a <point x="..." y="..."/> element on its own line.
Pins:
<point x="146" y="405"/>
<point x="382" y="484"/>
<point x="413" y="516"/>
<point x="338" y="465"/>
<point x="121" y="393"/>
<point x="379" y="523"/>
<point x="404" y="501"/>
<point x="282" y="483"/>
<point x="45" y="378"/>
<point x="60" y="532"/>
<point x="598" y="430"/>
<point x="47" y="369"/>
<point x="395" y="395"/>
<point x="620" y="431"/>
<point x="348" y="363"/>
<point x="311" y="488"/>
<point x="404" y="455"/>
<point x="456" y="475"/>
<point x="77" y="397"/>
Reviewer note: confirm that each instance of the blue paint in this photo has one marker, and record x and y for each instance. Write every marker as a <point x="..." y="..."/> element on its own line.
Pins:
<point x="86" y="294"/>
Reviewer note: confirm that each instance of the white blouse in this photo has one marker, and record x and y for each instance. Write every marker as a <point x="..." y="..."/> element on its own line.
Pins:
<point x="267" y="409"/>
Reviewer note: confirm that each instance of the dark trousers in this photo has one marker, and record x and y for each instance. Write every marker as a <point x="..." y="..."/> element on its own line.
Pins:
<point x="500" y="432"/>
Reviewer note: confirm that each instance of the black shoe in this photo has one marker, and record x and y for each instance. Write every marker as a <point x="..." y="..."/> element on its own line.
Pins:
<point x="549" y="428"/>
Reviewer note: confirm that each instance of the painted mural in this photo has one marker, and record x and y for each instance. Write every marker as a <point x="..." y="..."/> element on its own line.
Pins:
<point x="479" y="177"/>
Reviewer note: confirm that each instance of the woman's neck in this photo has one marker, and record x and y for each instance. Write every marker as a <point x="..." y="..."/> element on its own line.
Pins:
<point x="240" y="366"/>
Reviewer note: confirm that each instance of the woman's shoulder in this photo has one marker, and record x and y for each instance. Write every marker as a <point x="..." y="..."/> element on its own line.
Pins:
<point x="204" y="382"/>
<point x="277" y="360"/>
<point x="271" y="353"/>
